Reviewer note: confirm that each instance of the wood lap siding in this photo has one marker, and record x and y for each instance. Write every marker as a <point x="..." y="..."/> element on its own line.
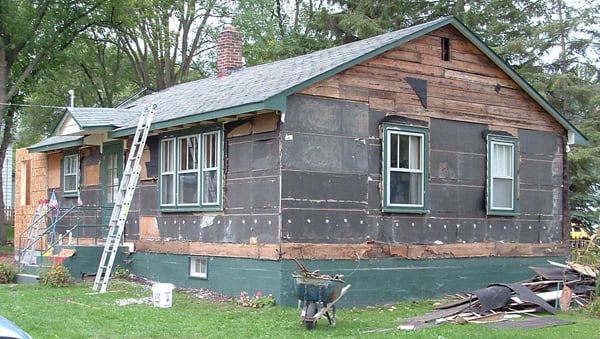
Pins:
<point x="461" y="89"/>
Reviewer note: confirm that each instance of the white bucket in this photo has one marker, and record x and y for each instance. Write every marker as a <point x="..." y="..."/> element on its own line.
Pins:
<point x="162" y="295"/>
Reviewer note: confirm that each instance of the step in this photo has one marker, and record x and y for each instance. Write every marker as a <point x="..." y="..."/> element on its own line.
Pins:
<point x="26" y="278"/>
<point x="31" y="269"/>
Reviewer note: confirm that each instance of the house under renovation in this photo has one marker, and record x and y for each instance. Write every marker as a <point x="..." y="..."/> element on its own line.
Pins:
<point x="416" y="163"/>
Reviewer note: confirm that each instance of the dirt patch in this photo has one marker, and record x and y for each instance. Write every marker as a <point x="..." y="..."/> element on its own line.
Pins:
<point x="201" y="293"/>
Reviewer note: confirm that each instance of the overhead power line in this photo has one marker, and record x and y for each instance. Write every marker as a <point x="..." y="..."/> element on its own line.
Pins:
<point x="28" y="105"/>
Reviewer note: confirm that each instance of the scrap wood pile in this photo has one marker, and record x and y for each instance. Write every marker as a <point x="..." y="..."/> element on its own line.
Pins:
<point x="315" y="274"/>
<point x="557" y="287"/>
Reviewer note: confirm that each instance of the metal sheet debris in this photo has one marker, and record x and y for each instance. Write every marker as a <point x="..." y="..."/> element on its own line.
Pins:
<point x="560" y="286"/>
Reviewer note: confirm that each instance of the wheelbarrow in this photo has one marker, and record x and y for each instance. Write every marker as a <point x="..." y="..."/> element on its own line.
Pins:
<point x="317" y="295"/>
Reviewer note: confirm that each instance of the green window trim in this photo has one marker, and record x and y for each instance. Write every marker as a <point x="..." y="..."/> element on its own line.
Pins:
<point x="405" y="169"/>
<point x="70" y="175"/>
<point x="502" y="175"/>
<point x="191" y="166"/>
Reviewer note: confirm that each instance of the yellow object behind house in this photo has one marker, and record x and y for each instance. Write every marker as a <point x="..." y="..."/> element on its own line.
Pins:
<point x="579" y="233"/>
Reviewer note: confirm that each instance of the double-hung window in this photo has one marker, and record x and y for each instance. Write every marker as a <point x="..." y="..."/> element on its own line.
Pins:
<point x="190" y="176"/>
<point x="502" y="175"/>
<point x="405" y="175"/>
<point x="70" y="175"/>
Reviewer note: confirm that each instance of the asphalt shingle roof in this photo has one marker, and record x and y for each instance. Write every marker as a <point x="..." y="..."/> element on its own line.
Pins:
<point x="96" y="117"/>
<point x="56" y="142"/>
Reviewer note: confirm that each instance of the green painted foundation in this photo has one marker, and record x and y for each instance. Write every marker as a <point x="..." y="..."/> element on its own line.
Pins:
<point x="86" y="259"/>
<point x="374" y="281"/>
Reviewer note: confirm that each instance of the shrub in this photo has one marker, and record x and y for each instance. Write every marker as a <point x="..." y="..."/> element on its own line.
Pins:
<point x="56" y="276"/>
<point x="120" y="273"/>
<point x="7" y="272"/>
<point x="258" y="301"/>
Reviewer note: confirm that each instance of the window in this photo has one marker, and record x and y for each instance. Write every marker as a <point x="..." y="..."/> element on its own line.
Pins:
<point x="198" y="267"/>
<point x="70" y="178"/>
<point x="405" y="177"/>
<point x="191" y="171"/>
<point x="112" y="177"/>
<point x="446" y="49"/>
<point x="501" y="178"/>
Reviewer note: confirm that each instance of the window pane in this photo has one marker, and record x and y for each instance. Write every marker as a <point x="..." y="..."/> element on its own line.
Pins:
<point x="415" y="152"/>
<point x="502" y="193"/>
<point x="502" y="160"/>
<point x="188" y="153"/>
<point x="210" y="187"/>
<point x="112" y="185"/>
<point x="405" y="169"/>
<point x="188" y="188"/>
<point x="502" y="176"/>
<point x="167" y="156"/>
<point x="70" y="173"/>
<point x="70" y="183"/>
<point x="406" y="188"/>
<point x="210" y="150"/>
<point x="167" y="189"/>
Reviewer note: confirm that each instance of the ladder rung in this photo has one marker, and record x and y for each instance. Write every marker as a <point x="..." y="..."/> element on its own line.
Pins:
<point x="123" y="200"/>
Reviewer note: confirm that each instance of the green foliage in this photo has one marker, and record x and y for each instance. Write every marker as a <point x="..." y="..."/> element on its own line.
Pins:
<point x="7" y="272"/>
<point x="120" y="273"/>
<point x="56" y="276"/>
<point x="259" y="300"/>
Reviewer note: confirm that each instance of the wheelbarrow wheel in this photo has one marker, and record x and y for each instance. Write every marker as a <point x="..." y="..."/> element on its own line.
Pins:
<point x="311" y="310"/>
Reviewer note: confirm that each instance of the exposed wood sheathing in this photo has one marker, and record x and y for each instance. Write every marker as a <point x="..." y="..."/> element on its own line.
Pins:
<point x="462" y="89"/>
<point x="36" y="166"/>
<point x="351" y="251"/>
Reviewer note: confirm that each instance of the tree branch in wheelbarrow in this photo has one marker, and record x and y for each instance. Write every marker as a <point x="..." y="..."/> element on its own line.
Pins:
<point x="315" y="273"/>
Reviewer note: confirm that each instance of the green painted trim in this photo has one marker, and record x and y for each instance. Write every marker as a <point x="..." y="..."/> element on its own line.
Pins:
<point x="56" y="146"/>
<point x="277" y="104"/>
<point x="386" y="207"/>
<point x="200" y="131"/>
<point x="515" y="196"/>
<point x="69" y="153"/>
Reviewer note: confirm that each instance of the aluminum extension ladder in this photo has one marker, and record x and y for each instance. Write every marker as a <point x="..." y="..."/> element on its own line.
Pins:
<point x="127" y="187"/>
<point x="39" y="218"/>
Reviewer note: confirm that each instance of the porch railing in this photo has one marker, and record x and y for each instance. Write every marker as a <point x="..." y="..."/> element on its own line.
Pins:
<point x="75" y="225"/>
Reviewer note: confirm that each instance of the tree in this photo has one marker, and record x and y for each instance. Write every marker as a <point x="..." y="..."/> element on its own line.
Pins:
<point x="278" y="29"/>
<point x="569" y="52"/>
<point x="31" y="32"/>
<point x="98" y="72"/>
<point x="163" y="39"/>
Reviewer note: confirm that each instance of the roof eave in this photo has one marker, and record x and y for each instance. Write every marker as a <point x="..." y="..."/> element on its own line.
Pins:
<point x="56" y="146"/>
<point x="275" y="103"/>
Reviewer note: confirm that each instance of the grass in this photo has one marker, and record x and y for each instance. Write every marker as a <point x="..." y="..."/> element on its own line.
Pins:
<point x="78" y="312"/>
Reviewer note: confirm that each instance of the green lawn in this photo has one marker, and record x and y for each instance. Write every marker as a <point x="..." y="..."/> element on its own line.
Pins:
<point x="79" y="312"/>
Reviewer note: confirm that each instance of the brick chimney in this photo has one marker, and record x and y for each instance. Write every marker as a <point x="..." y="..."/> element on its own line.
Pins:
<point x="229" y="51"/>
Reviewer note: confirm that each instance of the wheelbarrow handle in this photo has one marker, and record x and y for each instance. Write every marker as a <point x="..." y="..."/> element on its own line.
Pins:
<point x="331" y="304"/>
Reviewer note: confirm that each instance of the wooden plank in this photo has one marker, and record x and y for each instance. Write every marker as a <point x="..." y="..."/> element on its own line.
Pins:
<point x="346" y="251"/>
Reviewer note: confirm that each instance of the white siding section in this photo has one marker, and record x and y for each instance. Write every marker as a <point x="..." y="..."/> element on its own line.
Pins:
<point x="7" y="178"/>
